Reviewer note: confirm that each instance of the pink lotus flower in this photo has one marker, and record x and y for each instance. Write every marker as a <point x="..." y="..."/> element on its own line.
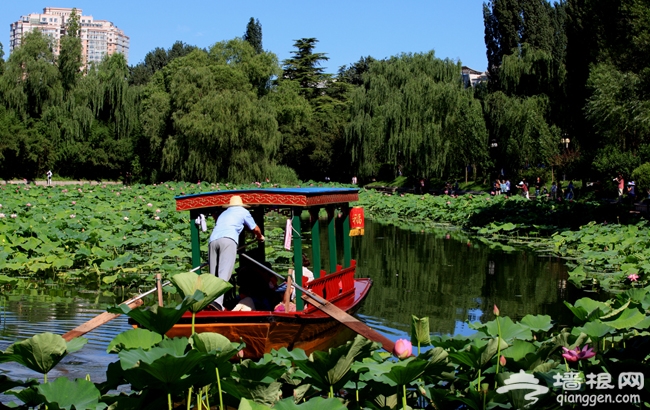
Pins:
<point x="157" y="211"/>
<point x="117" y="193"/>
<point x="74" y="202"/>
<point x="573" y="355"/>
<point x="502" y="361"/>
<point x="157" y="218"/>
<point x="14" y="216"/>
<point x="150" y="204"/>
<point x="28" y="204"/>
<point x="496" y="310"/>
<point x="2" y="215"/>
<point x="403" y="349"/>
<point x="633" y="277"/>
<point x="72" y="215"/>
<point x="126" y="218"/>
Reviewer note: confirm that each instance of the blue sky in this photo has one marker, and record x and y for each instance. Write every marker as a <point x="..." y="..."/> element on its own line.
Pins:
<point x="346" y="29"/>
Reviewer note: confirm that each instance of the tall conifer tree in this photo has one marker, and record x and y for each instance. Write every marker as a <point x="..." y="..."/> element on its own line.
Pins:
<point x="253" y="35"/>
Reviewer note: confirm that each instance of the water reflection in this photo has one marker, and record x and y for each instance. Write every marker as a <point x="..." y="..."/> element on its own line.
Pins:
<point x="451" y="281"/>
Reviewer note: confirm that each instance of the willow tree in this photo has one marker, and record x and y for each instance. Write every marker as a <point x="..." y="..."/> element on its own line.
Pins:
<point x="414" y="111"/>
<point x="222" y="129"/>
<point x="31" y="81"/>
<point x="524" y="136"/>
<point x="93" y="127"/>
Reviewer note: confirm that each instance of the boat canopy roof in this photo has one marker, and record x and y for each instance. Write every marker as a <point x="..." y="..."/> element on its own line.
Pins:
<point x="301" y="197"/>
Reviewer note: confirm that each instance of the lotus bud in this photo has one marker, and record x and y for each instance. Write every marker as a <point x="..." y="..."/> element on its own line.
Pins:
<point x="502" y="361"/>
<point x="496" y="310"/>
<point x="403" y="349"/>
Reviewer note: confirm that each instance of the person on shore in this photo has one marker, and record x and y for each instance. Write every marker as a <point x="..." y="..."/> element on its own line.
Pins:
<point x="620" y="185"/>
<point x="554" y="190"/>
<point x="631" y="191"/>
<point x="49" y="176"/>
<point x="569" y="191"/>
<point x="538" y="186"/>
<point x="524" y="188"/>
<point x="222" y="247"/>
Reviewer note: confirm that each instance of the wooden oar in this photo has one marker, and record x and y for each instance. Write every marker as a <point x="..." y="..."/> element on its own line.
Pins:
<point x="336" y="313"/>
<point x="105" y="317"/>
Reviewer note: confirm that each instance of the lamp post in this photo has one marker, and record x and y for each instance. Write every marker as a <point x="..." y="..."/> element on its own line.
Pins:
<point x="493" y="148"/>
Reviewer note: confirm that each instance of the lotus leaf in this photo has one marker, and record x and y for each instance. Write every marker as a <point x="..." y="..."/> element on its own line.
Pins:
<point x="211" y="286"/>
<point x="246" y="404"/>
<point x="509" y="329"/>
<point x="42" y="352"/>
<point x="537" y="323"/>
<point x="316" y="403"/>
<point x="332" y="369"/>
<point x="155" y="318"/>
<point x="626" y="319"/>
<point x="65" y="394"/>
<point x="260" y="393"/>
<point x="133" y="339"/>
<point x="396" y="373"/>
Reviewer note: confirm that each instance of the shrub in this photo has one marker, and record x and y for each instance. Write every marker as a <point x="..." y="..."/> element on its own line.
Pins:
<point x="641" y="177"/>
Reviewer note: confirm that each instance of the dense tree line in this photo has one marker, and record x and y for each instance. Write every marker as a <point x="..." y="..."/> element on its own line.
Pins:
<point x="573" y="70"/>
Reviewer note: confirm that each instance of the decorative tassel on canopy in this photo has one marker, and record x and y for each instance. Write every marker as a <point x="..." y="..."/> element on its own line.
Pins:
<point x="356" y="221"/>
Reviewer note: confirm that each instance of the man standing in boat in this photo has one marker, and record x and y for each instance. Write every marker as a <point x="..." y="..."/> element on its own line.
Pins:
<point x="225" y="239"/>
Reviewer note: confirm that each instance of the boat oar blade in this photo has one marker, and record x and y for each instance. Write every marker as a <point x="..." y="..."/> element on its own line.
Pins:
<point x="96" y="322"/>
<point x="106" y="317"/>
<point x="351" y="322"/>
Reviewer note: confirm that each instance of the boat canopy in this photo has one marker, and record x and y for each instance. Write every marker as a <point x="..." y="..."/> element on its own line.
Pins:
<point x="301" y="197"/>
<point x="334" y="200"/>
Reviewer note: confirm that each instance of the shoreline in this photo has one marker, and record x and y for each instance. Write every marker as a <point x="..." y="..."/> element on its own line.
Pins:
<point x="59" y="183"/>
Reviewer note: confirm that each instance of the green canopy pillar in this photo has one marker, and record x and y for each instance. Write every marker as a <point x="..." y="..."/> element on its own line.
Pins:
<point x="331" y="236"/>
<point x="196" y="244"/>
<point x="297" y="254"/>
<point x="315" y="241"/>
<point x="347" y="247"/>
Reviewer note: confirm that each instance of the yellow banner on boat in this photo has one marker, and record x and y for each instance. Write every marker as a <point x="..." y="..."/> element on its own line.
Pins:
<point x="357" y="221"/>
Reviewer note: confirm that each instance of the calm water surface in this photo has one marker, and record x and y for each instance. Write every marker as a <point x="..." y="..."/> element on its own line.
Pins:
<point x="414" y="273"/>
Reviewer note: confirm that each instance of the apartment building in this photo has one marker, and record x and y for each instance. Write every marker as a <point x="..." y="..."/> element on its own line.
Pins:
<point x="98" y="37"/>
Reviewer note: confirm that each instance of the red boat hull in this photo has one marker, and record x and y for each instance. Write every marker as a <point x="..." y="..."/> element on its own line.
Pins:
<point x="263" y="331"/>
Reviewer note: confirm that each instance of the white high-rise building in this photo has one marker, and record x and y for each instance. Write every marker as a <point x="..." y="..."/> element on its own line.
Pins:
<point x="98" y="37"/>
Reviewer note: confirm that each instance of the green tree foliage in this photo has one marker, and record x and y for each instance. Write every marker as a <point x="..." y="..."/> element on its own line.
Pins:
<point x="220" y="128"/>
<point x="31" y="81"/>
<point x="618" y="108"/>
<point x="2" y="60"/>
<point x="253" y="35"/>
<point x="354" y="73"/>
<point x="413" y="110"/>
<point x="315" y="148"/>
<point x="70" y="61"/>
<point x="93" y="129"/>
<point x="157" y="60"/>
<point x="525" y="138"/>
<point x="304" y="67"/>
<point x="73" y="28"/>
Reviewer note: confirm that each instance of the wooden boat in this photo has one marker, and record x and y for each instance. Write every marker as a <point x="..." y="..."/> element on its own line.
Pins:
<point x="307" y="328"/>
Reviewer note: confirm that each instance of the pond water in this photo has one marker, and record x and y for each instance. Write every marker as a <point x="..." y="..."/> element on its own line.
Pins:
<point x="437" y="275"/>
